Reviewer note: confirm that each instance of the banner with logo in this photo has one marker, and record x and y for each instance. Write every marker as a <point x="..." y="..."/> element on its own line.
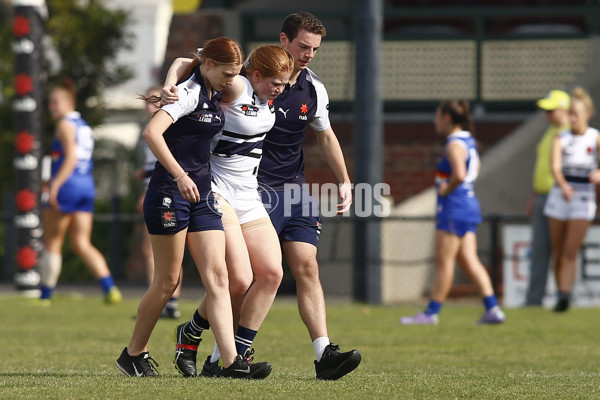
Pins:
<point x="28" y="30"/>
<point x="517" y="256"/>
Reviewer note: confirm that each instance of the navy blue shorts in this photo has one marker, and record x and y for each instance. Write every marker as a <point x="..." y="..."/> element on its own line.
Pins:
<point x="295" y="218"/>
<point x="166" y="215"/>
<point x="456" y="227"/>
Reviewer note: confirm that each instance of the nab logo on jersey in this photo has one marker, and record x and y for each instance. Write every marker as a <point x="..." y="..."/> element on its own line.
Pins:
<point x="168" y="218"/>
<point x="205" y="118"/>
<point x="249" y="110"/>
<point x="303" y="111"/>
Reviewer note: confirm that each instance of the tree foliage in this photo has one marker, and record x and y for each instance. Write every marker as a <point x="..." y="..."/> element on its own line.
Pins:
<point x="83" y="39"/>
<point x="87" y="37"/>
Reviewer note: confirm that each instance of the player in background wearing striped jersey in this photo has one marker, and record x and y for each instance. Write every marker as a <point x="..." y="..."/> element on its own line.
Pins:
<point x="571" y="204"/>
<point x="457" y="216"/>
<point x="72" y="192"/>
<point x="252" y="251"/>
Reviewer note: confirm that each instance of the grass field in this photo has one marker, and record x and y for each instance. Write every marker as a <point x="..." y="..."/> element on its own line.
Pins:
<point x="68" y="351"/>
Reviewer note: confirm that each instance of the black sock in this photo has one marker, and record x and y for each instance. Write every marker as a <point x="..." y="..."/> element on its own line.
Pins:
<point x="564" y="296"/>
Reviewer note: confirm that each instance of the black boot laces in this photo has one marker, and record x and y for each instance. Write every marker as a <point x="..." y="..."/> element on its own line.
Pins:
<point x="333" y="347"/>
<point x="248" y="355"/>
<point x="149" y="366"/>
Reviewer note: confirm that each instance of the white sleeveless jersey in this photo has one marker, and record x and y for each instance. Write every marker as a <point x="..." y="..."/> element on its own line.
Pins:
<point x="579" y="158"/>
<point x="237" y="149"/>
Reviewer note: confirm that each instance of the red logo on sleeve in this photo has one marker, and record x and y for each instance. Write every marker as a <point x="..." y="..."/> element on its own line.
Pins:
<point x="55" y="155"/>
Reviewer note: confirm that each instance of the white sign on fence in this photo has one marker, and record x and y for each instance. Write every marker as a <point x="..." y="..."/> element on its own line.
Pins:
<point x="516" y="245"/>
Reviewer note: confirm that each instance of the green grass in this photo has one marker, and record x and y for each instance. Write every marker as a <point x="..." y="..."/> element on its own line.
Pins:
<point x="68" y="351"/>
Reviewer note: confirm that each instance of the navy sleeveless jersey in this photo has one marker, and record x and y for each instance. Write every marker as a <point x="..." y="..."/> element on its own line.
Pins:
<point x="196" y="119"/>
<point x="304" y="103"/>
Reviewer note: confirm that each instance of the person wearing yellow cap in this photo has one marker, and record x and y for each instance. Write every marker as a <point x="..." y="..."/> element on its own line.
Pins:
<point x="556" y="104"/>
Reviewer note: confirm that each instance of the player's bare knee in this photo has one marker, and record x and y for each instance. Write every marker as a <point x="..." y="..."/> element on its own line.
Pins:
<point x="172" y="283"/>
<point x="569" y="257"/>
<point x="270" y="277"/>
<point x="220" y="277"/>
<point x="80" y="247"/>
<point x="215" y="276"/>
<point x="306" y="272"/>
<point x="239" y="285"/>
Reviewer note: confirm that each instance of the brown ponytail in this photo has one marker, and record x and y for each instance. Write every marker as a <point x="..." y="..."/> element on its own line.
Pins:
<point x="459" y="112"/>
<point x="221" y="51"/>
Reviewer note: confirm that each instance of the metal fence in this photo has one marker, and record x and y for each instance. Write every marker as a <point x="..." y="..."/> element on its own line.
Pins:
<point x="407" y="253"/>
<point x="494" y="56"/>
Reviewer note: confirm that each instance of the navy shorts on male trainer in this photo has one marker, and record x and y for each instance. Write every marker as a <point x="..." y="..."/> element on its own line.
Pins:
<point x="294" y="220"/>
<point x="166" y="214"/>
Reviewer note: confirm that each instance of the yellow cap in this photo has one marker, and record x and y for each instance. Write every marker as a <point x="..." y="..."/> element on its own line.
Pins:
<point x="556" y="99"/>
<point x="186" y="6"/>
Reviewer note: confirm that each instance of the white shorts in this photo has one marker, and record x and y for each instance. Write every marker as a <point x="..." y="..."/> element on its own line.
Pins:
<point x="581" y="206"/>
<point x="246" y="202"/>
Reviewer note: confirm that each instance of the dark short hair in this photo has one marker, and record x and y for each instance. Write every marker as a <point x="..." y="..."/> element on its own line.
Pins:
<point x="302" y="20"/>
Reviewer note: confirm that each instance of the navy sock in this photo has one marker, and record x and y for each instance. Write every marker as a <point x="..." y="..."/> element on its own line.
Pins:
<point x="433" y="307"/>
<point x="46" y="292"/>
<point x="490" y="302"/>
<point x="107" y="283"/>
<point x="197" y="325"/>
<point x="243" y="339"/>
